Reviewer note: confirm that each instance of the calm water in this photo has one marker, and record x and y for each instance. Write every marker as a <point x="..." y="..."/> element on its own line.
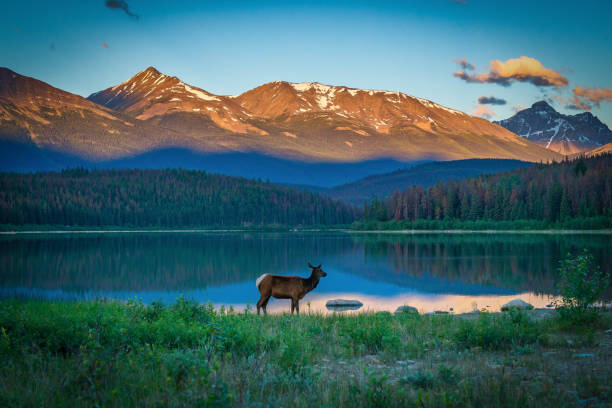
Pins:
<point x="383" y="271"/>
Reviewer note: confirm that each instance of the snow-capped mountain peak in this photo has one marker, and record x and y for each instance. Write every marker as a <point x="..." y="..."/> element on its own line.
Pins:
<point x="566" y="134"/>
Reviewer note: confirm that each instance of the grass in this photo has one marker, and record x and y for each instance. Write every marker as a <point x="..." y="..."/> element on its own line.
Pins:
<point x="114" y="354"/>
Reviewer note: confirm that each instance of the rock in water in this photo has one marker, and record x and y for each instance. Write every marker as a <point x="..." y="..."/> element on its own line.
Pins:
<point x="343" y="302"/>
<point x="406" y="309"/>
<point x="340" y="305"/>
<point x="516" y="304"/>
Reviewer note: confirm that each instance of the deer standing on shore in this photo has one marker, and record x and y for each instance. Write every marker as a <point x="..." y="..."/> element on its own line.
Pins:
<point x="287" y="287"/>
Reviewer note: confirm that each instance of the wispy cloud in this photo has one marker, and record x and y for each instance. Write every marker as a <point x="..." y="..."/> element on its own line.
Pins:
<point x="594" y="95"/>
<point x="516" y="109"/>
<point x="484" y="112"/>
<point x="121" y="5"/>
<point x="491" y="100"/>
<point x="585" y="98"/>
<point x="464" y="64"/>
<point x="523" y="69"/>
<point x="105" y="45"/>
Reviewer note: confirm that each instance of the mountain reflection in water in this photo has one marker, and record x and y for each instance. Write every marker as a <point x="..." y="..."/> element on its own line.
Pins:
<point x="429" y="271"/>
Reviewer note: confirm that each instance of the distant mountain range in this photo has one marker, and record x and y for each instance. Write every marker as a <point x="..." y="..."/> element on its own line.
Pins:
<point x="424" y="175"/>
<point x="566" y="134"/>
<point x="305" y="122"/>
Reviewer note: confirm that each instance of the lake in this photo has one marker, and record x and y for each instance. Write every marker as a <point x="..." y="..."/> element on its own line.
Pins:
<point x="431" y="271"/>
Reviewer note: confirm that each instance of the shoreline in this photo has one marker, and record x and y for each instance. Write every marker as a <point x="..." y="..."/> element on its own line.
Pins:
<point x="290" y="230"/>
<point x="487" y="231"/>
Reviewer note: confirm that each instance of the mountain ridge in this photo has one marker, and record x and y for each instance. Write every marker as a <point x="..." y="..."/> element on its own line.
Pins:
<point x="308" y="122"/>
<point x="566" y="134"/>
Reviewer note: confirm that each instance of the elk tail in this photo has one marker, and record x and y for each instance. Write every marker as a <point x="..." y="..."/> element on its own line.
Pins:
<point x="258" y="281"/>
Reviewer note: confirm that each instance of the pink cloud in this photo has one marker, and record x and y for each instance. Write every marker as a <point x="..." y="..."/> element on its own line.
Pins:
<point x="523" y="69"/>
<point x="484" y="112"/>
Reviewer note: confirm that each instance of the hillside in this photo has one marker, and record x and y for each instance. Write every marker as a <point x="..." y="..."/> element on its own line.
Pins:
<point x="159" y="198"/>
<point x="569" y="191"/>
<point x="36" y="114"/>
<point x="424" y="175"/>
<point x="566" y="134"/>
<point x="607" y="148"/>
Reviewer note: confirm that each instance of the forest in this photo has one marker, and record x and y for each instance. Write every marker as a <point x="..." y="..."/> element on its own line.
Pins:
<point x="572" y="192"/>
<point x="160" y="198"/>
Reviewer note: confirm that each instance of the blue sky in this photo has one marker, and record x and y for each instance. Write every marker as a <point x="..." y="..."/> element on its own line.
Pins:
<point x="408" y="46"/>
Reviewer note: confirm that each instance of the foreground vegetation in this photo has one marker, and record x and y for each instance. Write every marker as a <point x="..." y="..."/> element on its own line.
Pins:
<point x="186" y="354"/>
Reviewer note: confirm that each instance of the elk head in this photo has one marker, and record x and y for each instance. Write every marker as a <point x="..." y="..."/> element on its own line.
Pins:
<point x="317" y="271"/>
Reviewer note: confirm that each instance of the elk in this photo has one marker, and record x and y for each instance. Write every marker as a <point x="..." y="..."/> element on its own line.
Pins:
<point x="287" y="287"/>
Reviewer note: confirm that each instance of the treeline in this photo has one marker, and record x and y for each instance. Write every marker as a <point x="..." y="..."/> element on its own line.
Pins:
<point x="160" y="198"/>
<point x="574" y="193"/>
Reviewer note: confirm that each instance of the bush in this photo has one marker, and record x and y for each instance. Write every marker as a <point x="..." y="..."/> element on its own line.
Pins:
<point x="582" y="286"/>
<point x="511" y="329"/>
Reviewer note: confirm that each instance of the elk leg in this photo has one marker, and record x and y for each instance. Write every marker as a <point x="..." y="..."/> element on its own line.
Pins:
<point x="292" y="305"/>
<point x="297" y="306"/>
<point x="262" y="302"/>
<point x="265" y="305"/>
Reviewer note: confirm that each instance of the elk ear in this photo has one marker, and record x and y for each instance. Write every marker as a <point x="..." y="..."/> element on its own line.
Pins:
<point x="318" y="267"/>
<point x="310" y="266"/>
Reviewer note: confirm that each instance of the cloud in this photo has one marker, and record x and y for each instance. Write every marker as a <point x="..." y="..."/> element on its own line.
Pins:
<point x="105" y="45"/>
<point x="516" y="109"/>
<point x="484" y="112"/>
<point x="121" y="5"/>
<point x="586" y="98"/>
<point x="593" y="95"/>
<point x="465" y="64"/>
<point x="523" y="69"/>
<point x="491" y="100"/>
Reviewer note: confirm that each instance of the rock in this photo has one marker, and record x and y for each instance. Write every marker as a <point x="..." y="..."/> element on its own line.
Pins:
<point x="550" y="305"/>
<point x="340" y="305"/>
<point x="406" y="309"/>
<point x="343" y="302"/>
<point x="516" y="304"/>
<point x="583" y="355"/>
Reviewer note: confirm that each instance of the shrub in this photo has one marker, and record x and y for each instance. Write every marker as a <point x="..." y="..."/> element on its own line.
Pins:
<point x="513" y="328"/>
<point x="582" y="285"/>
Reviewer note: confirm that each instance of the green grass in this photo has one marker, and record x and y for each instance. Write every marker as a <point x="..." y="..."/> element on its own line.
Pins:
<point x="185" y="354"/>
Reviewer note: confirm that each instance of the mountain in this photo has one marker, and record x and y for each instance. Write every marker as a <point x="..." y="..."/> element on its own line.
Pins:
<point x="315" y="122"/>
<point x="36" y="114"/>
<point x="424" y="175"/>
<point x="566" y="134"/>
<point x="306" y="123"/>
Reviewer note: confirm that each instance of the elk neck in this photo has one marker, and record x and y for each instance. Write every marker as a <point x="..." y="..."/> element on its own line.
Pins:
<point x="311" y="282"/>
